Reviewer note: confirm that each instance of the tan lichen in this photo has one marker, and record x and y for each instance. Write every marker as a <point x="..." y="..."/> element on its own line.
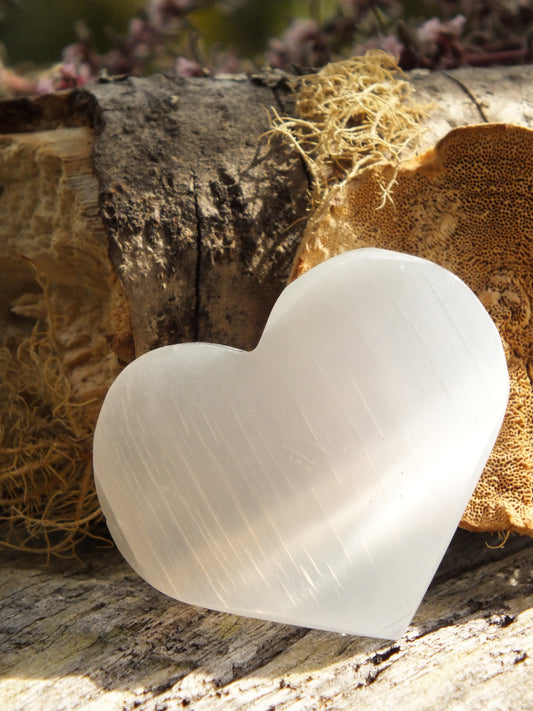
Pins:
<point x="349" y="116"/>
<point x="467" y="205"/>
<point x="47" y="496"/>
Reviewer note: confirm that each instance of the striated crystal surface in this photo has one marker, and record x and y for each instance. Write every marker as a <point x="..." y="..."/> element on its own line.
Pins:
<point x="318" y="479"/>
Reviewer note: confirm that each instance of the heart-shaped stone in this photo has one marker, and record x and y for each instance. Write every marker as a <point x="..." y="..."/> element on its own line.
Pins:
<point x="318" y="479"/>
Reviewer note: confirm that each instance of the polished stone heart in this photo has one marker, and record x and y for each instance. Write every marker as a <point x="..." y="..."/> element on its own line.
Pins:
<point x="318" y="479"/>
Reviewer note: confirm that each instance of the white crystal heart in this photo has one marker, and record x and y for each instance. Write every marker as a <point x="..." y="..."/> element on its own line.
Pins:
<point x="318" y="479"/>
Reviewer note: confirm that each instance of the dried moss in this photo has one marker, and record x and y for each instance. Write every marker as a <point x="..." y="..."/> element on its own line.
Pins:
<point x="48" y="502"/>
<point x="349" y="116"/>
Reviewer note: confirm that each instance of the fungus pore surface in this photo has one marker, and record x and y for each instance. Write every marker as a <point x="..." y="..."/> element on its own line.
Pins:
<point x="466" y="205"/>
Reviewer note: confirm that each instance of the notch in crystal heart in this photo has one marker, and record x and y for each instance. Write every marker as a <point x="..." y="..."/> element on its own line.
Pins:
<point x="318" y="479"/>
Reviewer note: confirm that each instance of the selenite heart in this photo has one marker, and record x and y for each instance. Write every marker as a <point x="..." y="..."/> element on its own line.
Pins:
<point x="318" y="479"/>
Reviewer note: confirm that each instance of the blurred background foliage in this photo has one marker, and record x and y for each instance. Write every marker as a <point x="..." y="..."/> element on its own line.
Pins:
<point x="56" y="44"/>
<point x="38" y="30"/>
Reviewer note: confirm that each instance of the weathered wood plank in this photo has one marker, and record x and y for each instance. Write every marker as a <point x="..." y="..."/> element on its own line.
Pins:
<point x="99" y="637"/>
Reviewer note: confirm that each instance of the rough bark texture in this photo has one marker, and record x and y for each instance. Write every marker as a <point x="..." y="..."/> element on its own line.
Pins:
<point x="199" y="221"/>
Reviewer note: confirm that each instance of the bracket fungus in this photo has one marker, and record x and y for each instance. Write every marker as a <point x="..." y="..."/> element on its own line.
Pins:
<point x="467" y="205"/>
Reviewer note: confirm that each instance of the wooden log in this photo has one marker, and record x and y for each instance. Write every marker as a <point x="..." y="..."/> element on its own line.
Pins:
<point x="135" y="214"/>
<point x="163" y="217"/>
<point x="153" y="214"/>
<point x="156" y="211"/>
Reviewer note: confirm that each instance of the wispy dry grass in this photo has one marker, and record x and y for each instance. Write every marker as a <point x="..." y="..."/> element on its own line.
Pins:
<point x="48" y="501"/>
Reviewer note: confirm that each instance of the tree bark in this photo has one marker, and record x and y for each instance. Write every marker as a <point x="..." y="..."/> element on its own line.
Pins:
<point x="155" y="212"/>
<point x="162" y="212"/>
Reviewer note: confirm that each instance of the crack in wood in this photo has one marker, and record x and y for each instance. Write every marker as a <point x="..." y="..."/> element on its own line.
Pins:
<point x="198" y="272"/>
<point x="471" y="96"/>
<point x="278" y="101"/>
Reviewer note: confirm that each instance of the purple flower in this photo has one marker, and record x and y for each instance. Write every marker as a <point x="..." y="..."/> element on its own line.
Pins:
<point x="390" y="44"/>
<point x="161" y="12"/>
<point x="188" y="68"/>
<point x="434" y="34"/>
<point x="304" y="44"/>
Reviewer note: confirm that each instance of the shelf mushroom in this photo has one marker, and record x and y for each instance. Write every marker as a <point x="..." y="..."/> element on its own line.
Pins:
<point x="467" y="205"/>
